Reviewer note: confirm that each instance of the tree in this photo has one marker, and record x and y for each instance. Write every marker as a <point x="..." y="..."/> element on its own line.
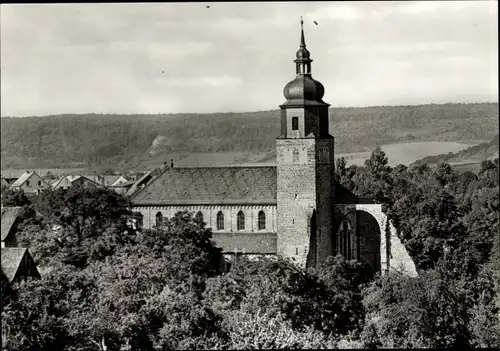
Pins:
<point x="11" y="197"/>
<point x="80" y="216"/>
<point x="444" y="174"/>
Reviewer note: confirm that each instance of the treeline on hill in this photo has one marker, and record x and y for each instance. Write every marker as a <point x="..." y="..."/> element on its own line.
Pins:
<point x="90" y="139"/>
<point x="483" y="149"/>
<point x="106" y="286"/>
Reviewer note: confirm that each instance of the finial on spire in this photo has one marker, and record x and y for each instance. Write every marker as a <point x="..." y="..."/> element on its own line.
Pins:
<point x="302" y="40"/>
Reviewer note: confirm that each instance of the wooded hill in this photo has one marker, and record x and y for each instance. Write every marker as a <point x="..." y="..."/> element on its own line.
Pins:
<point x="93" y="139"/>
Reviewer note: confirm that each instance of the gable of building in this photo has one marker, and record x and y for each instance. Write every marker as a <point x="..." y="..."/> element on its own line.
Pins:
<point x="210" y="185"/>
<point x="119" y="180"/>
<point x="9" y="219"/>
<point x="17" y="263"/>
<point x="30" y="176"/>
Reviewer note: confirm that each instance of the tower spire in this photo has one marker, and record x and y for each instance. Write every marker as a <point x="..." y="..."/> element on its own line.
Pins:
<point x="303" y="59"/>
<point x="302" y="39"/>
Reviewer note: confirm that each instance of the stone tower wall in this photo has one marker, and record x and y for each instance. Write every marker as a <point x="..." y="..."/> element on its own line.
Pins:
<point x="324" y="199"/>
<point x="296" y="196"/>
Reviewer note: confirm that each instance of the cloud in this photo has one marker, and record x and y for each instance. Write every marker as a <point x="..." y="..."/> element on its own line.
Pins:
<point x="378" y="10"/>
<point x="205" y="81"/>
<point x="156" y="57"/>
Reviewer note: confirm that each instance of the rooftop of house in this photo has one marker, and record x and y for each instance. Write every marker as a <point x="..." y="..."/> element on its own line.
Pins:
<point x="23" y="178"/>
<point x="12" y="257"/>
<point x="9" y="217"/>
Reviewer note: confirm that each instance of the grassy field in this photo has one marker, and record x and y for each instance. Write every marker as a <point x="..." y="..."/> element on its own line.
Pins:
<point x="404" y="153"/>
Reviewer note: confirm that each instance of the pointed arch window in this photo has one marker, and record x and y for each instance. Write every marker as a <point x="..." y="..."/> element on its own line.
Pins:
<point x="159" y="220"/>
<point x="295" y="155"/>
<point x="262" y="220"/>
<point x="241" y="221"/>
<point x="220" y="220"/>
<point x="199" y="217"/>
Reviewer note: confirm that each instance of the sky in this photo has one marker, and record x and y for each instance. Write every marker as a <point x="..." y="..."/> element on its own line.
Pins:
<point x="233" y="57"/>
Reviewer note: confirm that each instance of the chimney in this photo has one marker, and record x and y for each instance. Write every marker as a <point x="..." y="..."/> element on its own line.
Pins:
<point x="171" y="163"/>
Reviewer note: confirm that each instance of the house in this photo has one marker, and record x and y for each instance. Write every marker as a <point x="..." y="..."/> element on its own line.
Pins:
<point x="10" y="176"/>
<point x="123" y="188"/>
<point x="113" y="180"/>
<point x="294" y="209"/>
<point x="10" y="220"/>
<point x="30" y="182"/>
<point x="83" y="181"/>
<point x="18" y="264"/>
<point x="63" y="182"/>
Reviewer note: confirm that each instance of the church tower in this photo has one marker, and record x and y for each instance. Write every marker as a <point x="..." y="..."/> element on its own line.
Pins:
<point x="305" y="165"/>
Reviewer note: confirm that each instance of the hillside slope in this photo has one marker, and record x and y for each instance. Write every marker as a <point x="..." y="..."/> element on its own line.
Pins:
<point x="90" y="139"/>
<point x="471" y="155"/>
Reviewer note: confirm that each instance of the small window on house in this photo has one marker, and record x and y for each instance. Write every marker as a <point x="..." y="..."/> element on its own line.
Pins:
<point x="295" y="155"/>
<point x="199" y="217"/>
<point x="262" y="220"/>
<point x="220" y="221"/>
<point x="159" y="220"/>
<point x="241" y="221"/>
<point x="295" y="123"/>
<point x="39" y="183"/>
<point x="27" y="183"/>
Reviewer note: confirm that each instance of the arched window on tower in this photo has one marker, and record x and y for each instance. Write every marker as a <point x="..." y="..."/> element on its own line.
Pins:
<point x="159" y="220"/>
<point x="295" y="155"/>
<point x="199" y="217"/>
<point x="220" y="221"/>
<point x="241" y="220"/>
<point x="262" y="220"/>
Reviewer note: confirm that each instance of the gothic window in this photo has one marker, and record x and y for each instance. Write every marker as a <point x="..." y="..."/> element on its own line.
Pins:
<point x="199" y="217"/>
<point x="241" y="221"/>
<point x="220" y="220"/>
<point x="295" y="123"/>
<point x="159" y="220"/>
<point x="295" y="155"/>
<point x="262" y="220"/>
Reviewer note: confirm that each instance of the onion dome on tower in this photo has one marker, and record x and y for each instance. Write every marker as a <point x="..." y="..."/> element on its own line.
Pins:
<point x="303" y="90"/>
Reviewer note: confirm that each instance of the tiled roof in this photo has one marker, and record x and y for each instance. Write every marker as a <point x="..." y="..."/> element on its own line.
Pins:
<point x="210" y="185"/>
<point x="24" y="177"/>
<point x="9" y="216"/>
<point x="12" y="258"/>
<point x="249" y="243"/>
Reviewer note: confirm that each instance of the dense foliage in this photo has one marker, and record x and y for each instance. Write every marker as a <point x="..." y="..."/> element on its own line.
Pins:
<point x="107" y="287"/>
<point x="84" y="140"/>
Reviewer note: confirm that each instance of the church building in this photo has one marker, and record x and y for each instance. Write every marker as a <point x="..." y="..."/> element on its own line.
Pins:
<point x="294" y="209"/>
